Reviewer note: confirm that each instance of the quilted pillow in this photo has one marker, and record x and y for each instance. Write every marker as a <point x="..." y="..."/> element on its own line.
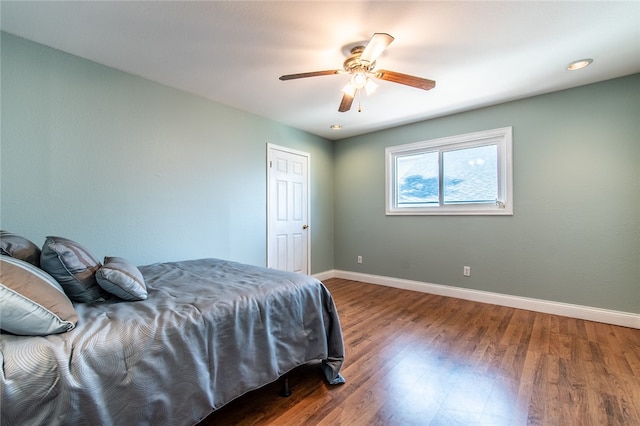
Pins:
<point x="74" y="267"/>
<point x="119" y="277"/>
<point x="19" y="247"/>
<point x="32" y="303"/>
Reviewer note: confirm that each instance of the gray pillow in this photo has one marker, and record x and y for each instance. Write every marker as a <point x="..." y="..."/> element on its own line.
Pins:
<point x="19" y="247"/>
<point x="32" y="303"/>
<point x="74" y="267"/>
<point x="121" y="278"/>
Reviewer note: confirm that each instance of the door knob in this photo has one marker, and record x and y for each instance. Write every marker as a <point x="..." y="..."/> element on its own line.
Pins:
<point x="305" y="226"/>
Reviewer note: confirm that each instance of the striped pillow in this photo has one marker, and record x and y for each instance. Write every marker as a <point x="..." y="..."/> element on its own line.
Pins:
<point x="32" y="303"/>
<point x="121" y="278"/>
<point x="74" y="267"/>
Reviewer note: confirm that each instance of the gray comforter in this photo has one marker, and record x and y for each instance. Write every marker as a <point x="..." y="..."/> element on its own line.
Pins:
<point x="209" y="332"/>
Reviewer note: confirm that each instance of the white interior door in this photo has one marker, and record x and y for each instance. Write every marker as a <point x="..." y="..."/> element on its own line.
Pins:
<point x="288" y="209"/>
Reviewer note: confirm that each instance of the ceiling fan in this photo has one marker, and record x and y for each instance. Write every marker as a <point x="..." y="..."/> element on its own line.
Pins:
<point x="360" y="64"/>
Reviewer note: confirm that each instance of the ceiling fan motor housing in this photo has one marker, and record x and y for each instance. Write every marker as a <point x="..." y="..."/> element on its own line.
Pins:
<point x="353" y="63"/>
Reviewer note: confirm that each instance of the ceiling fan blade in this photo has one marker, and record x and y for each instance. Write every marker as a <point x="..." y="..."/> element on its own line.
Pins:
<point x="377" y="44"/>
<point x="406" y="79"/>
<point x="309" y="74"/>
<point x="345" y="105"/>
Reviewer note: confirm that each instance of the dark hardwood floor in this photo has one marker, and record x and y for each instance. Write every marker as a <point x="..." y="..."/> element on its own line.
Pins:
<point x="421" y="359"/>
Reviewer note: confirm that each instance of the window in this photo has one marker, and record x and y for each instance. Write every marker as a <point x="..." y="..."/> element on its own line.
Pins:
<point x="460" y="175"/>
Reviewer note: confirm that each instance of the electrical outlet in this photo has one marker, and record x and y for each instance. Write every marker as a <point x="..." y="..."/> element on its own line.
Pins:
<point x="467" y="271"/>
<point x="359" y="259"/>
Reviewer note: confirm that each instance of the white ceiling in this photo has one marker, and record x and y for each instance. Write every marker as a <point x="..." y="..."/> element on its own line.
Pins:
<point x="479" y="53"/>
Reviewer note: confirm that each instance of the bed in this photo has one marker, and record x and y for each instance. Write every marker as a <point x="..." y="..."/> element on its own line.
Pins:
<point x="207" y="332"/>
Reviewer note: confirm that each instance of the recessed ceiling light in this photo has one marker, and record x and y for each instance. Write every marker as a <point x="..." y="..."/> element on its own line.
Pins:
<point x="335" y="127"/>
<point x="579" y="64"/>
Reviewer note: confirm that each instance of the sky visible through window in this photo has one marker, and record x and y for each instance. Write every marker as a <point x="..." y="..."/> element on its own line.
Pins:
<point x="470" y="176"/>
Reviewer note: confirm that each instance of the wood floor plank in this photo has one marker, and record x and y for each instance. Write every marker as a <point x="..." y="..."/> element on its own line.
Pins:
<point x="420" y="359"/>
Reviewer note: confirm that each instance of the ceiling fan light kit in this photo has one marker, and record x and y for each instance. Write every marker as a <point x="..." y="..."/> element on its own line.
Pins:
<point x="360" y="64"/>
<point x="370" y="86"/>
<point x="359" y="79"/>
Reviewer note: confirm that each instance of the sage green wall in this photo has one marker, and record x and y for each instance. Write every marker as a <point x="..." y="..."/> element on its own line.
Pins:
<point x="132" y="168"/>
<point x="575" y="234"/>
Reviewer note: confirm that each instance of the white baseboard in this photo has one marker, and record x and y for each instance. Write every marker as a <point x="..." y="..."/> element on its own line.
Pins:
<point x="625" y="319"/>
<point x="326" y="275"/>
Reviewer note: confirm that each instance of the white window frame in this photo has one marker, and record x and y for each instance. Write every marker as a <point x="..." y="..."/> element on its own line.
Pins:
<point x="503" y="205"/>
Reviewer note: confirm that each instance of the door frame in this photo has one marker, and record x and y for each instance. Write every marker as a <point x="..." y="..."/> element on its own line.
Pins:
<point x="271" y="147"/>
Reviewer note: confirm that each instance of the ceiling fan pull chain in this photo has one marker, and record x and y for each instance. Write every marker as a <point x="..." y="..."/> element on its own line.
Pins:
<point x="359" y="98"/>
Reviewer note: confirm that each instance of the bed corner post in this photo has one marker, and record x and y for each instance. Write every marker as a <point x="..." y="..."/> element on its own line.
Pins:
<point x="285" y="391"/>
